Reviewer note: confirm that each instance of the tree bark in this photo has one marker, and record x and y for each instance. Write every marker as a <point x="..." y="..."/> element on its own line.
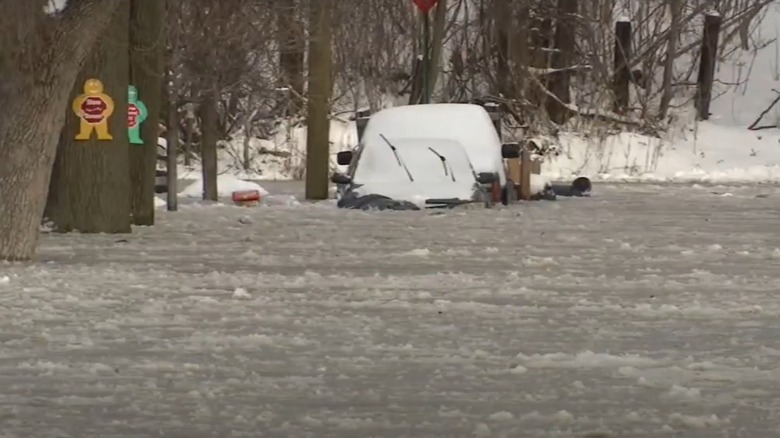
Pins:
<point x="172" y="137"/>
<point x="318" y="123"/>
<point x="439" y="26"/>
<point x="621" y="82"/>
<point x="147" y="44"/>
<point x="210" y="129"/>
<point x="502" y="16"/>
<point x="292" y="50"/>
<point x="561" y="60"/>
<point x="34" y="91"/>
<point x="707" y="61"/>
<point x="675" y="8"/>
<point x="89" y="189"/>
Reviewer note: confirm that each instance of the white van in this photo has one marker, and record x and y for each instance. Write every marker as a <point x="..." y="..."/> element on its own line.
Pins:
<point x="409" y="174"/>
<point x="466" y="124"/>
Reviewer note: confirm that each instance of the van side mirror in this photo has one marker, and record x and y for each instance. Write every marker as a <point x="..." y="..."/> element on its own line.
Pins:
<point x="486" y="178"/>
<point x="344" y="158"/>
<point x="340" y="179"/>
<point x="510" y="150"/>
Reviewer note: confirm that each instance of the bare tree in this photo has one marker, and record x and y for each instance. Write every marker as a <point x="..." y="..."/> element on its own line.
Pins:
<point x="40" y="57"/>
<point x="291" y="38"/>
<point x="147" y="44"/>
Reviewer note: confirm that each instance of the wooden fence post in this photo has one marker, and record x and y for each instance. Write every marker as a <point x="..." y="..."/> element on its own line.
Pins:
<point x="709" y="54"/>
<point x="525" y="173"/>
<point x="622" y="78"/>
<point x="361" y="121"/>
<point x="495" y="115"/>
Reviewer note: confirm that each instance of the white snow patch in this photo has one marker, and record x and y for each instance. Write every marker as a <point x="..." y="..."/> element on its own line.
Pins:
<point x="241" y="293"/>
<point x="538" y="183"/>
<point x="683" y="393"/>
<point x="532" y="261"/>
<point x="5" y="280"/>
<point x="585" y="359"/>
<point x="53" y="7"/>
<point x="697" y="422"/>
<point x="502" y="416"/>
<point x="708" y="153"/>
<point x="226" y="185"/>
<point x="482" y="431"/>
<point x="418" y="252"/>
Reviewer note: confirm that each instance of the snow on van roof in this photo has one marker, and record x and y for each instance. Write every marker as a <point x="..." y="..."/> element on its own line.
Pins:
<point x="467" y="124"/>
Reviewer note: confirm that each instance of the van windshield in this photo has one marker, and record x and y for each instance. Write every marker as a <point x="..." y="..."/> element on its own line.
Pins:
<point x="397" y="157"/>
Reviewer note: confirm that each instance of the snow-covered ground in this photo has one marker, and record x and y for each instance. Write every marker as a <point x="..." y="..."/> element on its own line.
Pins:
<point x="705" y="152"/>
<point x="697" y="152"/>
<point x="645" y="311"/>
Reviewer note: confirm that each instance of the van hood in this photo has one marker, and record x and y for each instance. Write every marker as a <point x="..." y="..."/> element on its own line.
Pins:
<point x="434" y="169"/>
<point x="417" y="194"/>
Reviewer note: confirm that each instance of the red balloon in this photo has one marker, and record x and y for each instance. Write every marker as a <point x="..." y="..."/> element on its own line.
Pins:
<point x="425" y="5"/>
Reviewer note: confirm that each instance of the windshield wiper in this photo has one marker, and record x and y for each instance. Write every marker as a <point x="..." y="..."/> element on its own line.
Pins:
<point x="397" y="157"/>
<point x="444" y="163"/>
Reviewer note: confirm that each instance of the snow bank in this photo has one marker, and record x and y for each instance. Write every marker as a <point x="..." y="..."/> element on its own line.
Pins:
<point x="707" y="153"/>
<point x="226" y="185"/>
<point x="279" y="158"/>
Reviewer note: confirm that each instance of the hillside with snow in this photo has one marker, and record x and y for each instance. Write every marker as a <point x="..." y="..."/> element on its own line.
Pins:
<point x="722" y="149"/>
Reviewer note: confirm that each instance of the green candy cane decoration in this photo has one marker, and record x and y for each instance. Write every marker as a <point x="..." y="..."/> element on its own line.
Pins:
<point x="136" y="114"/>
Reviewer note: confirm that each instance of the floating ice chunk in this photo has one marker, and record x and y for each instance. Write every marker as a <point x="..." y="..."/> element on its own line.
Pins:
<point x="482" y="431"/>
<point x="502" y="416"/>
<point x="419" y="252"/>
<point x="241" y="293"/>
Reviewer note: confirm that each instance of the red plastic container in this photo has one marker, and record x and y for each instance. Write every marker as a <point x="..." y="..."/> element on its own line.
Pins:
<point x="246" y="197"/>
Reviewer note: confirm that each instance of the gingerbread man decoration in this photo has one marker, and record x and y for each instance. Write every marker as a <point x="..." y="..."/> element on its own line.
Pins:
<point x="136" y="114"/>
<point x="94" y="107"/>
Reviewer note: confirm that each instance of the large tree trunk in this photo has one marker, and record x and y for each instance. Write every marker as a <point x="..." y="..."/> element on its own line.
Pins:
<point x="146" y="73"/>
<point x="318" y="122"/>
<point x="208" y="149"/>
<point x="36" y="81"/>
<point x="90" y="184"/>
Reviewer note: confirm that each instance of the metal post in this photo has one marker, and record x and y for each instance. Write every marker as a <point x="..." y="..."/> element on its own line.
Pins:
<point x="361" y="121"/>
<point x="426" y="57"/>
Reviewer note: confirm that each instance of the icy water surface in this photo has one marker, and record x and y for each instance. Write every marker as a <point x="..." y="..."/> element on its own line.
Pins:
<point x="645" y="311"/>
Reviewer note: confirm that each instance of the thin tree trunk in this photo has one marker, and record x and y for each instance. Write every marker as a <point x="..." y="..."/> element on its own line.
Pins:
<point x="561" y="60"/>
<point x="210" y="128"/>
<point x="318" y="123"/>
<point x="502" y="16"/>
<point x="675" y="7"/>
<point x="172" y="139"/>
<point x="437" y="42"/>
<point x="89" y="189"/>
<point x="146" y="73"/>
<point x="29" y="133"/>
<point x="189" y="133"/>
<point x="292" y="50"/>
<point x="540" y="41"/>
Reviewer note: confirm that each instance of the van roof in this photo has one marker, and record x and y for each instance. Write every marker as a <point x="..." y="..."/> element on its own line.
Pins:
<point x="468" y="124"/>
